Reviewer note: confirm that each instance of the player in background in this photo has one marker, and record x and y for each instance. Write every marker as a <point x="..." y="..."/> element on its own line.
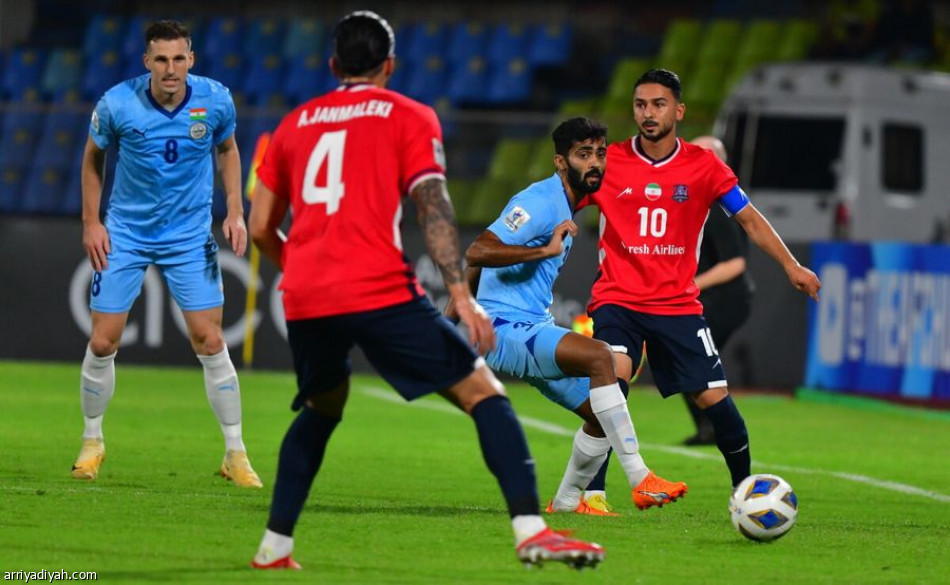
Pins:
<point x="341" y="163"/>
<point x="513" y="265"/>
<point x="653" y="204"/>
<point x="167" y="125"/>
<point x="725" y="288"/>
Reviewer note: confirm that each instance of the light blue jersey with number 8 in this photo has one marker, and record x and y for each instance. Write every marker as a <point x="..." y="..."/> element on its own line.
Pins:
<point x="161" y="197"/>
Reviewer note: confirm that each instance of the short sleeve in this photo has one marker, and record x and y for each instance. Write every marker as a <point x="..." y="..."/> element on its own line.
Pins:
<point x="524" y="219"/>
<point x="422" y="155"/>
<point x="721" y="177"/>
<point x="101" y="127"/>
<point x="227" y="122"/>
<point x="270" y="171"/>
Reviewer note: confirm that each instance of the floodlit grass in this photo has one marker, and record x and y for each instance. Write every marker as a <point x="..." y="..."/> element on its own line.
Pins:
<point x="404" y="496"/>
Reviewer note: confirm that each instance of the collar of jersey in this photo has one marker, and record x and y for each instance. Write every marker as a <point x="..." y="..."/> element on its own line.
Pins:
<point x="358" y="86"/>
<point x="635" y="145"/>
<point x="158" y="106"/>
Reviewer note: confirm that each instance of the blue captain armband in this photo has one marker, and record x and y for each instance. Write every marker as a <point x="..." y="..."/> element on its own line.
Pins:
<point x="734" y="200"/>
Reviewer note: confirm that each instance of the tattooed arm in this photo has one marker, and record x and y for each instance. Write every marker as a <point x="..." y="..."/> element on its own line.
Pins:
<point x="437" y="219"/>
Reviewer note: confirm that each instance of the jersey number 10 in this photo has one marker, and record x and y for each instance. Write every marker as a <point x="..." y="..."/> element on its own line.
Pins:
<point x="653" y="220"/>
<point x="329" y="151"/>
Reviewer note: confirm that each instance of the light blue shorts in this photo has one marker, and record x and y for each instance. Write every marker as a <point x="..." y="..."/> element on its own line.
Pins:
<point x="192" y="276"/>
<point x="526" y="349"/>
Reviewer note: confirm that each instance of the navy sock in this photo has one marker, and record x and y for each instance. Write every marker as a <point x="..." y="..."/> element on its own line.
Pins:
<point x="506" y="453"/>
<point x="301" y="454"/>
<point x="732" y="438"/>
<point x="599" y="483"/>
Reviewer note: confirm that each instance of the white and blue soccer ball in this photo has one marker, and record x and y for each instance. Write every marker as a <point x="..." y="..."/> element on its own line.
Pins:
<point x="763" y="507"/>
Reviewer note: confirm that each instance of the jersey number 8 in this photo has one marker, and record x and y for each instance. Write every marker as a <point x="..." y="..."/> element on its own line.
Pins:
<point x="329" y="151"/>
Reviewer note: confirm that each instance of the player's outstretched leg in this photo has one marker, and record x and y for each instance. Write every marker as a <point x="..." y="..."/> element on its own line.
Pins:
<point x="96" y="388"/>
<point x="587" y="456"/>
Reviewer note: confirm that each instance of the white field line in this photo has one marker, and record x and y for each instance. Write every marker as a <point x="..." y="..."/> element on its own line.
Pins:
<point x="556" y="429"/>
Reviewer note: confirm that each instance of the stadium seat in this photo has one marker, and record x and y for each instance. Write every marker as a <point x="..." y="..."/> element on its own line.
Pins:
<point x="59" y="145"/>
<point x="489" y="197"/>
<point x="19" y="134"/>
<point x="680" y="45"/>
<point x="424" y="40"/>
<point x="62" y="73"/>
<point x="510" y="159"/>
<point x="263" y="37"/>
<point x="44" y="189"/>
<point x="507" y="42"/>
<point x="426" y="80"/>
<point x="466" y="42"/>
<point x="550" y="45"/>
<point x="467" y="83"/>
<point x="306" y="76"/>
<point x="573" y="108"/>
<point x="228" y="71"/>
<point x="626" y="73"/>
<point x="719" y="44"/>
<point x="12" y="180"/>
<point x="103" y="34"/>
<point x="222" y="38"/>
<point x="510" y="83"/>
<point x="103" y="71"/>
<point x="304" y="38"/>
<point x="758" y="46"/>
<point x="262" y="81"/>
<point x="704" y="91"/>
<point x="134" y="67"/>
<point x="22" y="75"/>
<point x="797" y="41"/>
<point x="541" y="161"/>
<point x="461" y="192"/>
<point x="132" y="42"/>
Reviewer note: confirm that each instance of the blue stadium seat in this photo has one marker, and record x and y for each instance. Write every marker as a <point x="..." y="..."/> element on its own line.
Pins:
<point x="304" y="38"/>
<point x="221" y="38"/>
<point x="401" y="76"/>
<point x="510" y="83"/>
<point x="550" y="45"/>
<point x="12" y="179"/>
<point x="22" y="75"/>
<point x="62" y="73"/>
<point x="229" y="71"/>
<point x="507" y="41"/>
<point x="426" y="81"/>
<point x="132" y="42"/>
<point x="19" y="134"/>
<point x="103" y="71"/>
<point x="467" y="83"/>
<point x="467" y="40"/>
<point x="44" y="190"/>
<point x="306" y="76"/>
<point x="262" y="81"/>
<point x="59" y="144"/>
<point x="135" y="67"/>
<point x="104" y="33"/>
<point x="71" y="203"/>
<point x="425" y="40"/>
<point x="263" y="37"/>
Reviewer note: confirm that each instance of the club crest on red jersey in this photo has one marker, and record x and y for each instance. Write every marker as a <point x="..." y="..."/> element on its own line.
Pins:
<point x="680" y="193"/>
<point x="653" y="191"/>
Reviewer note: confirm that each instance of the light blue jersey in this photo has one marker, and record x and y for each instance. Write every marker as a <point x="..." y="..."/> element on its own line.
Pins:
<point x="161" y="197"/>
<point x="529" y="219"/>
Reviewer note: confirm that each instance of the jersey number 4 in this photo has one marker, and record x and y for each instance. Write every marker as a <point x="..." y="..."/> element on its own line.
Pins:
<point x="329" y="152"/>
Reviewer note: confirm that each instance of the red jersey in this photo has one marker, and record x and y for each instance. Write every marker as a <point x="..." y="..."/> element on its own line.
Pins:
<point x="652" y="217"/>
<point x="344" y="160"/>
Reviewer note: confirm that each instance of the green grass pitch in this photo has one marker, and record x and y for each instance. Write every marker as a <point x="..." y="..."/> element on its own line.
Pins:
<point x="404" y="496"/>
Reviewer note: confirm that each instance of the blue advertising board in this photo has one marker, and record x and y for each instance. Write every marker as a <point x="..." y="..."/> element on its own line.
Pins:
<point x="882" y="327"/>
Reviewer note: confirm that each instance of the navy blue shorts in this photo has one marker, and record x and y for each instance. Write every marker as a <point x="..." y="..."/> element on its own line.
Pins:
<point x="411" y="345"/>
<point x="680" y="348"/>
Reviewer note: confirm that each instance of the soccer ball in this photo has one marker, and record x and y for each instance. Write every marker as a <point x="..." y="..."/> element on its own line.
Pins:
<point x="763" y="507"/>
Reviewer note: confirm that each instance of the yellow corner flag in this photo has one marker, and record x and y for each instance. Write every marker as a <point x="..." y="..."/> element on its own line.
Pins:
<point x="250" y="305"/>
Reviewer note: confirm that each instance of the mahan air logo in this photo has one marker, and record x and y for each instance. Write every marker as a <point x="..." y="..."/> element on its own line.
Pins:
<point x="653" y="191"/>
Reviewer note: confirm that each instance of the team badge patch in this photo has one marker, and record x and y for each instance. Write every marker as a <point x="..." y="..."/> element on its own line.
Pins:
<point x="95" y="121"/>
<point x="680" y="193"/>
<point x="438" y="153"/>
<point x="653" y="191"/>
<point x="197" y="131"/>
<point x="516" y="218"/>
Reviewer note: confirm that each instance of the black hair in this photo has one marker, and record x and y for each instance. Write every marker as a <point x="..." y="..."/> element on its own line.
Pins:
<point x="569" y="132"/>
<point x="664" y="77"/>
<point x="167" y="30"/>
<point x="362" y="41"/>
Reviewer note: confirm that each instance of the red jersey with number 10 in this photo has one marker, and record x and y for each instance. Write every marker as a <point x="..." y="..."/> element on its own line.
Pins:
<point x="344" y="160"/>
<point x="652" y="217"/>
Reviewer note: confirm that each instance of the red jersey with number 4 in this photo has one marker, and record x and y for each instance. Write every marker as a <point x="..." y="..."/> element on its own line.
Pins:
<point x="344" y="160"/>
<point x="652" y="217"/>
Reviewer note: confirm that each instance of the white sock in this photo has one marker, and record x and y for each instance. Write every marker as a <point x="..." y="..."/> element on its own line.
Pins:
<point x="588" y="494"/>
<point x="96" y="388"/>
<point x="224" y="395"/>
<point x="610" y="408"/>
<point x="274" y="546"/>
<point x="587" y="455"/>
<point x="525" y="527"/>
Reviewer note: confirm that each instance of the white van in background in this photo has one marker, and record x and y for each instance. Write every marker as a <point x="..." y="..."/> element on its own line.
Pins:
<point x="840" y="151"/>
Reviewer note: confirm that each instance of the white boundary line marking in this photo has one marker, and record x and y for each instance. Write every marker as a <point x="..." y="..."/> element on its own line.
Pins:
<point x="556" y="429"/>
